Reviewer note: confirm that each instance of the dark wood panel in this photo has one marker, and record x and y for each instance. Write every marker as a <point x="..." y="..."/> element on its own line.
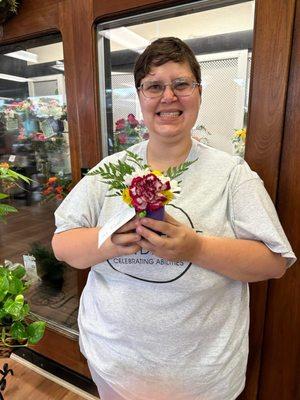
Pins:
<point x="269" y="80"/>
<point x="81" y="74"/>
<point x="270" y="67"/>
<point x="63" y="350"/>
<point x="281" y="347"/>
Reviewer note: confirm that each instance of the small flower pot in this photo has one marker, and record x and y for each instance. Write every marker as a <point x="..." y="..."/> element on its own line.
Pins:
<point x="158" y="215"/>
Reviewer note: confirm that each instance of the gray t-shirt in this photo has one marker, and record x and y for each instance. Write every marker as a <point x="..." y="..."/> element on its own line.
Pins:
<point x="174" y="330"/>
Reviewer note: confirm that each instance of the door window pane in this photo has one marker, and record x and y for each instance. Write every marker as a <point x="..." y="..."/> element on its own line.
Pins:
<point x="220" y="36"/>
<point x="34" y="141"/>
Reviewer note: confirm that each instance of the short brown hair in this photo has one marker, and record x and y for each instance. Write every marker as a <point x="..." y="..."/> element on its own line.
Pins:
<point x="161" y="51"/>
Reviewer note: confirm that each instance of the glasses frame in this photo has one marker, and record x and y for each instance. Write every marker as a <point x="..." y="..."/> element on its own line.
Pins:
<point x="194" y="84"/>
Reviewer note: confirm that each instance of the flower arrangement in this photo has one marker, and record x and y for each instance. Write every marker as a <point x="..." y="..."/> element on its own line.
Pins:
<point x="43" y="108"/>
<point x="8" y="179"/>
<point x="140" y="187"/>
<point x="47" y="107"/>
<point x="19" y="108"/>
<point x="128" y="132"/>
<point x="56" y="188"/>
<point x="239" y="140"/>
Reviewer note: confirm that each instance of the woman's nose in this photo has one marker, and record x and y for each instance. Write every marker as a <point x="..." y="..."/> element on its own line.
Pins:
<point x="168" y="94"/>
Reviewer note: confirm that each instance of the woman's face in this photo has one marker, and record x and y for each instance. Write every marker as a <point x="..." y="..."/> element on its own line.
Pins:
<point x="169" y="116"/>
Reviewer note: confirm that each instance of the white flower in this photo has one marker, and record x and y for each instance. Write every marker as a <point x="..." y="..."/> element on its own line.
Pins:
<point x="138" y="172"/>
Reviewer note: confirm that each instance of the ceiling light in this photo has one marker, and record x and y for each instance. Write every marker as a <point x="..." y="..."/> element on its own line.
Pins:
<point x="126" y="38"/>
<point x="59" y="65"/>
<point x="14" y="78"/>
<point x="23" y="55"/>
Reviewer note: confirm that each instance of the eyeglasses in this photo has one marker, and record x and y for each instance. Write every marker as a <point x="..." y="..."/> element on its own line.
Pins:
<point x="181" y="87"/>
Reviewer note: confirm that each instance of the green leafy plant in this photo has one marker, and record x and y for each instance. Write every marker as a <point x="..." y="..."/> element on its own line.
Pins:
<point x="15" y="330"/>
<point x="14" y="310"/>
<point x="8" y="178"/>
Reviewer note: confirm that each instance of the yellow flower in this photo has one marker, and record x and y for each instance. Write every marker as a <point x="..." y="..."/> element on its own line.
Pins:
<point x="4" y="165"/>
<point x="126" y="196"/>
<point x="156" y="172"/>
<point x="241" y="133"/>
<point x="169" y="195"/>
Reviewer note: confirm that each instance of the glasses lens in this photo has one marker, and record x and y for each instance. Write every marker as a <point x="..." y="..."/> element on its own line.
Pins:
<point x="152" y="89"/>
<point x="183" y="86"/>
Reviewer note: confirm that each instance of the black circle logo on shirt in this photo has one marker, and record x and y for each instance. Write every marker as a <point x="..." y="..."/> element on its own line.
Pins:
<point x="147" y="267"/>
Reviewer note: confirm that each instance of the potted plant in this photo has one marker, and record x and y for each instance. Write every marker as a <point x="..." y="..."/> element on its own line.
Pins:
<point x="15" y="329"/>
<point x="7" y="9"/>
<point x="49" y="269"/>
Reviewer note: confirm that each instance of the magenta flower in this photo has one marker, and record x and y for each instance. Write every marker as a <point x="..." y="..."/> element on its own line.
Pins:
<point x="132" y="120"/>
<point x="120" y="124"/>
<point x="146" y="192"/>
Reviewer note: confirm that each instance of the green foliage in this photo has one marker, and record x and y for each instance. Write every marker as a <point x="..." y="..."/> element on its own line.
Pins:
<point x="114" y="174"/>
<point x="7" y="178"/>
<point x="174" y="172"/>
<point x="14" y="309"/>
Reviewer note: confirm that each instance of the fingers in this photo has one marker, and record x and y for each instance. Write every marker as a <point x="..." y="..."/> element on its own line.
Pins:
<point x="129" y="226"/>
<point x="164" y="227"/>
<point x="128" y="250"/>
<point x="125" y="239"/>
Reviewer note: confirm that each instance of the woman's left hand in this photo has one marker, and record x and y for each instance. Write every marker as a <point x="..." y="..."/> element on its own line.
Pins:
<point x="178" y="243"/>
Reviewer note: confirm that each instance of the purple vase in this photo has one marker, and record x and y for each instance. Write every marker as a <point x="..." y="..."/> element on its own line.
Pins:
<point x="157" y="214"/>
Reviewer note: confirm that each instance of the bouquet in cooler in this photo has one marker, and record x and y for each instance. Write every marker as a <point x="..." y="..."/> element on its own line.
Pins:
<point x="56" y="188"/>
<point x="146" y="190"/>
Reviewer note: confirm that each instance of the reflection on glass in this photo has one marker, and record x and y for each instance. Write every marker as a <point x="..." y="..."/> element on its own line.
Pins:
<point x="34" y="140"/>
<point x="221" y="38"/>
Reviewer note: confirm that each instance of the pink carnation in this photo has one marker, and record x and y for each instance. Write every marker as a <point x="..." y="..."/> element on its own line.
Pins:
<point x="132" y="120"/>
<point x="120" y="124"/>
<point x="122" y="138"/>
<point x="145" y="192"/>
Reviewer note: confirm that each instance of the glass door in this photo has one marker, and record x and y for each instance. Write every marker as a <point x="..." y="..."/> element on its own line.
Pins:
<point x="34" y="141"/>
<point x="220" y="36"/>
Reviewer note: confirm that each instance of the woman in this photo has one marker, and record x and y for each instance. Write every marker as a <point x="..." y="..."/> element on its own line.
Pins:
<point x="177" y="328"/>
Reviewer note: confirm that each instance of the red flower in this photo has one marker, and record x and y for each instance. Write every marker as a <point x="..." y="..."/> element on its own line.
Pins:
<point x="59" y="197"/>
<point x="120" y="124"/>
<point x="146" y="192"/>
<point x="122" y="138"/>
<point x="59" y="189"/>
<point x="47" y="191"/>
<point x="132" y="120"/>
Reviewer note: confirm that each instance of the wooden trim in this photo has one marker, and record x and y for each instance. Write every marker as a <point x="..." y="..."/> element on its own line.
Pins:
<point x="280" y="368"/>
<point x="269" y="81"/>
<point x="63" y="350"/>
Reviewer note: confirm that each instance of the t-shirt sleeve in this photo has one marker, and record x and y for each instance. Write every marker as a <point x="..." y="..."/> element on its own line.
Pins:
<point x="82" y="207"/>
<point x="253" y="214"/>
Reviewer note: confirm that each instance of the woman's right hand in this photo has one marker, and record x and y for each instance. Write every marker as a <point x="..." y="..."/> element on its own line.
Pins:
<point x="125" y="239"/>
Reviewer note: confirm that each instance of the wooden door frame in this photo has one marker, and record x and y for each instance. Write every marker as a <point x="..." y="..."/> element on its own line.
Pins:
<point x="75" y="19"/>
